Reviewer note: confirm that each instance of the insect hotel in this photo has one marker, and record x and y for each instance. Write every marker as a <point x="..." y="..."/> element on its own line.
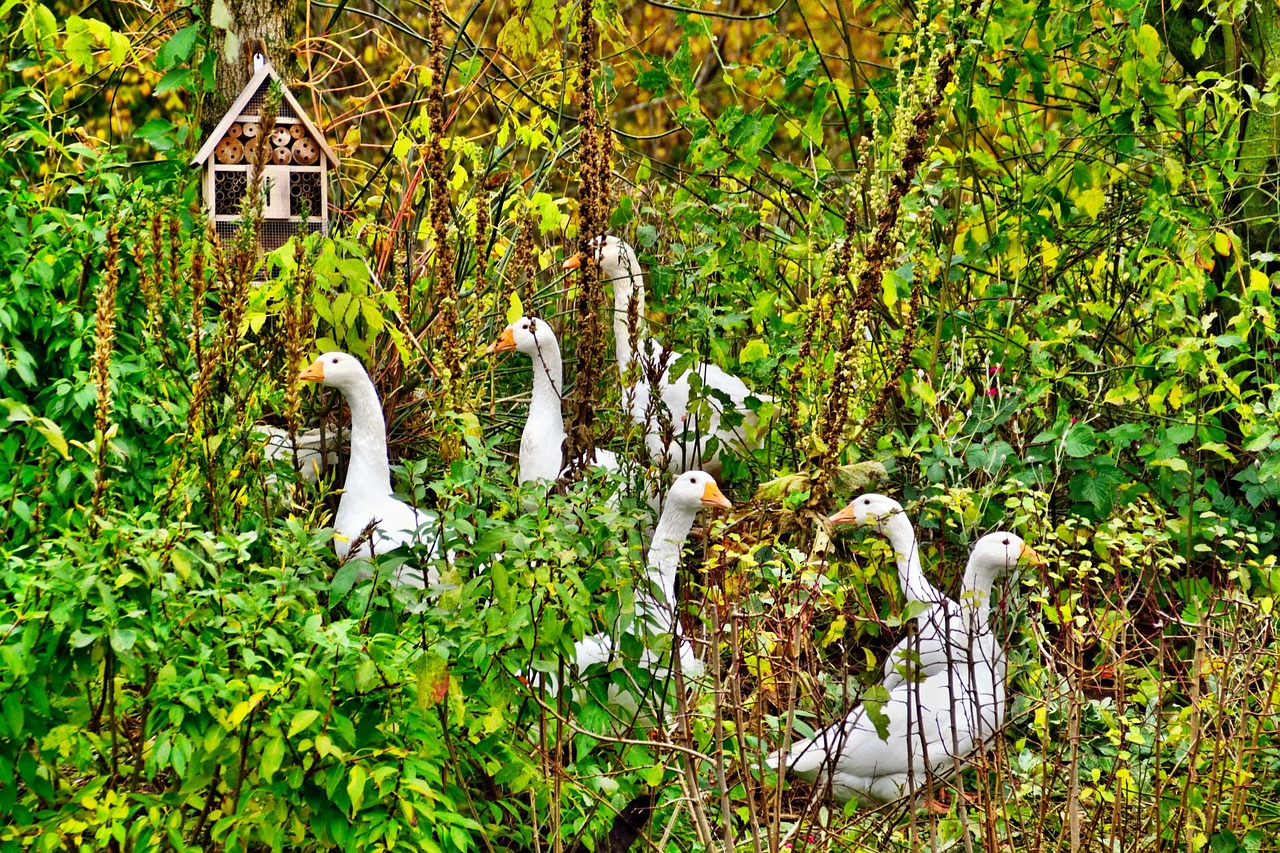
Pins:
<point x="295" y="179"/>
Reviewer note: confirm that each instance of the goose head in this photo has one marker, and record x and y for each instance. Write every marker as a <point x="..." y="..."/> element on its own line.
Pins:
<point x="616" y="257"/>
<point x="1002" y="551"/>
<point x="695" y="490"/>
<point x="993" y="555"/>
<point x="527" y="335"/>
<point x="870" y="510"/>
<point x="337" y="370"/>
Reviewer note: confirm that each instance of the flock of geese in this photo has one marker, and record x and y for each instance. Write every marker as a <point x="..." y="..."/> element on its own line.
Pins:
<point x="945" y="682"/>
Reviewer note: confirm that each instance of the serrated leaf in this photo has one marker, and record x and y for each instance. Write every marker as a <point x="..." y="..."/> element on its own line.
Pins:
<point x="220" y="15"/>
<point x="176" y="80"/>
<point x="178" y="48"/>
<point x="1080" y="441"/>
<point x="780" y="487"/>
<point x="1097" y="485"/>
<point x="859" y="475"/>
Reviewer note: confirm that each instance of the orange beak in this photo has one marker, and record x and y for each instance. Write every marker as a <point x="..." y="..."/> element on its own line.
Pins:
<point x="844" y="516"/>
<point x="712" y="496"/>
<point x="574" y="262"/>
<point x="506" y="342"/>
<point x="1032" y="558"/>
<point x="314" y="373"/>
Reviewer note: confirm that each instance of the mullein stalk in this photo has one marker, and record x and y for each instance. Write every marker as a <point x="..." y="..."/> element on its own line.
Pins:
<point x="449" y="360"/>
<point x="104" y="333"/>
<point x="916" y="132"/>
<point x="594" y="205"/>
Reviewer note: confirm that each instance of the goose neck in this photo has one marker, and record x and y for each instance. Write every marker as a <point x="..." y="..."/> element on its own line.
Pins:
<point x="906" y="552"/>
<point x="548" y="380"/>
<point x="669" y="537"/>
<point x="369" y="471"/>
<point x="628" y="283"/>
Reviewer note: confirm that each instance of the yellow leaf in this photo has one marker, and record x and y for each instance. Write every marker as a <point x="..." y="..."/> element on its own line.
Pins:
<point x="515" y="308"/>
<point x="1222" y="243"/>
<point x="1091" y="202"/>
<point x="889" y="287"/>
<point x="1050" y="253"/>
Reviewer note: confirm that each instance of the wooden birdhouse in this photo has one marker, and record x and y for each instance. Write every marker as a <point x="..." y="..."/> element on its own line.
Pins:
<point x="295" y="179"/>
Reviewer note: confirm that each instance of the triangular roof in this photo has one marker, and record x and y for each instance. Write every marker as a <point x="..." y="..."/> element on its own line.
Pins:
<point x="246" y="95"/>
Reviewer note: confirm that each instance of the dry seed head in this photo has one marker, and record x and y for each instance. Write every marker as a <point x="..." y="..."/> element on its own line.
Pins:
<point x="104" y="331"/>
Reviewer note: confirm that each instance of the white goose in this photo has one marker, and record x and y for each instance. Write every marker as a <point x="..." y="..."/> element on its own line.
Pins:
<point x="312" y="457"/>
<point x="655" y="613"/>
<point x="367" y="495"/>
<point x="931" y="724"/>
<point x="618" y="263"/>
<point x="939" y="636"/>
<point x="544" y="435"/>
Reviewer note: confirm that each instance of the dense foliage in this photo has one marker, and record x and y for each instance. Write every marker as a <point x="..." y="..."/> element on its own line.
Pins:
<point x="1021" y="255"/>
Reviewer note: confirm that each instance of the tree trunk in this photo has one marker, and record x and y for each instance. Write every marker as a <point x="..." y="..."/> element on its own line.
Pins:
<point x="255" y="26"/>
<point x="1259" y="183"/>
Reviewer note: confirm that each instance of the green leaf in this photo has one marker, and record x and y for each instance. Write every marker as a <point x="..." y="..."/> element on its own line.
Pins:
<point x="755" y="350"/>
<point x="655" y="79"/>
<point x="355" y="787"/>
<point x="156" y="133"/>
<point x="808" y="64"/>
<point x="122" y="639"/>
<point x="178" y="48"/>
<point x="1080" y="441"/>
<point x="302" y="720"/>
<point x="219" y="15"/>
<point x="53" y="434"/>
<point x="1098" y="484"/>
<point x="272" y="757"/>
<point x="343" y="580"/>
<point x="178" y="79"/>
<point x="873" y="701"/>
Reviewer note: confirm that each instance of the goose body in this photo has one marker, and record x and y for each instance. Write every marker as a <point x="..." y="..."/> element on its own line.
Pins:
<point x="367" y="496"/>
<point x="694" y="420"/>
<point x="940" y="635"/>
<point x="312" y="456"/>
<point x="933" y="723"/>
<point x="541" y="453"/>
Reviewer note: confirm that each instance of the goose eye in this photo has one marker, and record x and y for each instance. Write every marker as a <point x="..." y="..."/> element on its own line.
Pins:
<point x="1006" y="541"/>
<point x="334" y="360"/>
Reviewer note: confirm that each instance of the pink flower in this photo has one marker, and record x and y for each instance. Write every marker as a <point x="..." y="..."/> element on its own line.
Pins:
<point x="993" y="392"/>
<point x="994" y="369"/>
